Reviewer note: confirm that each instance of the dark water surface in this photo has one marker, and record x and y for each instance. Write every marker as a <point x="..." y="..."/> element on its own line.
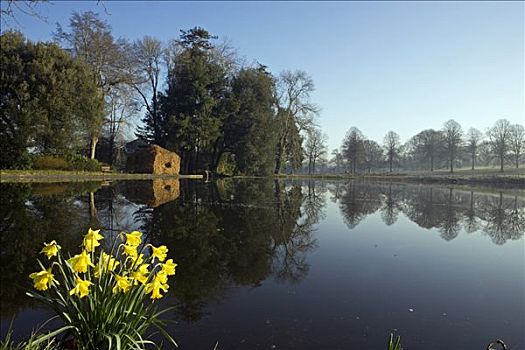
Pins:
<point x="296" y="265"/>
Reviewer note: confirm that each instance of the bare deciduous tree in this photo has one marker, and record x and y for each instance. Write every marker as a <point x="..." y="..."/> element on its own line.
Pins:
<point x="352" y="148"/>
<point x="391" y="144"/>
<point x="30" y="8"/>
<point x="147" y="56"/>
<point x="315" y="147"/>
<point x="90" y="39"/>
<point x="372" y="155"/>
<point x="452" y="134"/>
<point x="123" y="107"/>
<point x="296" y="112"/>
<point x="427" y="145"/>
<point x="474" y="137"/>
<point x="499" y="136"/>
<point x="517" y="142"/>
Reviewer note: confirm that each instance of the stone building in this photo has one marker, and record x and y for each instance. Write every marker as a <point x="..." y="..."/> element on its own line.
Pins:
<point x="153" y="159"/>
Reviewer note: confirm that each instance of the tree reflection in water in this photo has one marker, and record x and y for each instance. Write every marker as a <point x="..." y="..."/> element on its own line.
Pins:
<point x="227" y="233"/>
<point x="500" y="216"/>
<point x="223" y="234"/>
<point x="31" y="215"/>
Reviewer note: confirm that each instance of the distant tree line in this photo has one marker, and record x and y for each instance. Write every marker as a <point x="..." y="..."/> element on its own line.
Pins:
<point x="448" y="148"/>
<point x="84" y="93"/>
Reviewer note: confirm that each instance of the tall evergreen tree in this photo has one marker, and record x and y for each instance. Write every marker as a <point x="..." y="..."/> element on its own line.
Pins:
<point x="250" y="132"/>
<point x="192" y="108"/>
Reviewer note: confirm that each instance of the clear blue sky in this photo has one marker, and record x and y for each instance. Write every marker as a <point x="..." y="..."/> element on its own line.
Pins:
<point x="402" y="66"/>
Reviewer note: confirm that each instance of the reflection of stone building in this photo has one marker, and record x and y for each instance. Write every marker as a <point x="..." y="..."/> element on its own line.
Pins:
<point x="152" y="193"/>
<point x="152" y="159"/>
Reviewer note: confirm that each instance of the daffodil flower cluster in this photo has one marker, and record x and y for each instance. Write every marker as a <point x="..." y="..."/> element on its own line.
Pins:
<point x="129" y="266"/>
<point x="105" y="293"/>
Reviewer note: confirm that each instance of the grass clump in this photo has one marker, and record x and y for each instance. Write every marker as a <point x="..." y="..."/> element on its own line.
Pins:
<point x="394" y="344"/>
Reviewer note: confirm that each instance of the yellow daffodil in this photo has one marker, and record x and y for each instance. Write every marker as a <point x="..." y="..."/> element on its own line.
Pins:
<point x="134" y="239"/>
<point x="81" y="288"/>
<point x="80" y="262"/>
<point x="109" y="261"/>
<point x="130" y="251"/>
<point x="159" y="252"/>
<point x="162" y="276"/>
<point x="91" y="240"/>
<point x="169" y="267"/>
<point x="137" y="260"/>
<point x="122" y="284"/>
<point x="43" y="279"/>
<point x="50" y="249"/>
<point x="154" y="288"/>
<point x="106" y="263"/>
<point x="141" y="274"/>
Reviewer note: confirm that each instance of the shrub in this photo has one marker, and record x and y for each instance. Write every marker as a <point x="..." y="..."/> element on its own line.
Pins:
<point x="82" y="163"/>
<point x="47" y="162"/>
<point x="103" y="298"/>
<point x="74" y="162"/>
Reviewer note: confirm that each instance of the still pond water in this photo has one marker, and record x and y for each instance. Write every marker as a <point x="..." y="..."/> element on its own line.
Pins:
<point x="296" y="265"/>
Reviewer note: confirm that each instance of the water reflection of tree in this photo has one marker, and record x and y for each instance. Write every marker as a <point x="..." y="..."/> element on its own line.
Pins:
<point x="449" y="225"/>
<point x="471" y="219"/>
<point x="238" y="233"/>
<point x="293" y="231"/>
<point x="447" y="210"/>
<point x="424" y="206"/>
<point x="30" y="216"/>
<point x="391" y="205"/>
<point x="504" y="218"/>
<point x="359" y="200"/>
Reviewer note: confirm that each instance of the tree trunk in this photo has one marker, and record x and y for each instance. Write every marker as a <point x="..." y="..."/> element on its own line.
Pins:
<point x="93" y="146"/>
<point x="473" y="161"/>
<point x="279" y="158"/>
<point x="390" y="160"/>
<point x="501" y="163"/>
<point x="92" y="207"/>
<point x="111" y="150"/>
<point x="156" y="122"/>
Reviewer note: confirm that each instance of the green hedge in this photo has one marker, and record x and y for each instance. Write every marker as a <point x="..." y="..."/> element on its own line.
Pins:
<point x="76" y="163"/>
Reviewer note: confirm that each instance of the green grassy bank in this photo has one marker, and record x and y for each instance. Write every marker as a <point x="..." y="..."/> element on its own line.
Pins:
<point x="485" y="176"/>
<point x="7" y="176"/>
